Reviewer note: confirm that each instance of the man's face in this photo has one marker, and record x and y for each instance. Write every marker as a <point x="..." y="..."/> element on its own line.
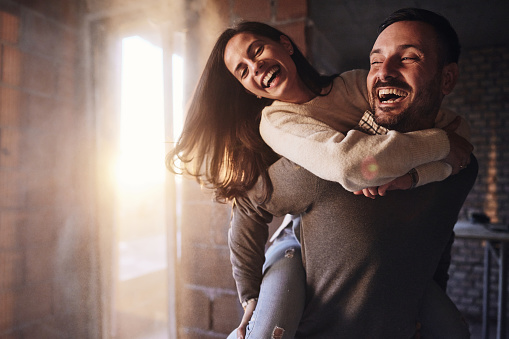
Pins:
<point x="404" y="81"/>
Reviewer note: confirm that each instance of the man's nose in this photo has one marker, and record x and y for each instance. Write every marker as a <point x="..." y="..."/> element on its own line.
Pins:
<point x="388" y="69"/>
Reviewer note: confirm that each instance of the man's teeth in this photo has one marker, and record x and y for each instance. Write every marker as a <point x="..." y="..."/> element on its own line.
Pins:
<point x="270" y="73"/>
<point x="391" y="95"/>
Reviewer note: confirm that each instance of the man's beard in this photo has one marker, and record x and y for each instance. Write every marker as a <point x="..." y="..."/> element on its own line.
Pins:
<point x="420" y="114"/>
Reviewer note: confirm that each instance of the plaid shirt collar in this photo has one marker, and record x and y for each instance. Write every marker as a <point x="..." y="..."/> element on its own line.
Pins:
<point x="369" y="126"/>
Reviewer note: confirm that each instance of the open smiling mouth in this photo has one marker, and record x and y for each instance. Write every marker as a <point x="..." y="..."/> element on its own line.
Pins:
<point x="391" y="95"/>
<point x="270" y="76"/>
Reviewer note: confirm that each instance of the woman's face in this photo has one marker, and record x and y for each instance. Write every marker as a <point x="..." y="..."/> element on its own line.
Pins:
<point x="265" y="67"/>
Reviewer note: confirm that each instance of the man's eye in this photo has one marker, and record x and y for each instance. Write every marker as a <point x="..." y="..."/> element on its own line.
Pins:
<point x="259" y="50"/>
<point x="374" y="62"/>
<point x="408" y="59"/>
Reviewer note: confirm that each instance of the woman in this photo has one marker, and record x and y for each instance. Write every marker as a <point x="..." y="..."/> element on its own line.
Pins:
<point x="221" y="145"/>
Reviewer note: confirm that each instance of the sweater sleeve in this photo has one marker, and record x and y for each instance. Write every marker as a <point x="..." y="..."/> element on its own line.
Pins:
<point x="440" y="170"/>
<point x="249" y="231"/>
<point x="355" y="160"/>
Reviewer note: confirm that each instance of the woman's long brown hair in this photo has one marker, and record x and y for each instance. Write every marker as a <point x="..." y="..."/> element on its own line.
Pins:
<point x="221" y="144"/>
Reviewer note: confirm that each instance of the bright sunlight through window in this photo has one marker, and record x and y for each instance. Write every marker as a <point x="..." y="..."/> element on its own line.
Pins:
<point x="141" y="157"/>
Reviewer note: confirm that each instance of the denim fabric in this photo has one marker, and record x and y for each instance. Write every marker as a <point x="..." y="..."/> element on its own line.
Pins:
<point x="282" y="294"/>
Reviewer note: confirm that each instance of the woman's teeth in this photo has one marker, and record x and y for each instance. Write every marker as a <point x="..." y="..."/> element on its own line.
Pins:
<point x="270" y="76"/>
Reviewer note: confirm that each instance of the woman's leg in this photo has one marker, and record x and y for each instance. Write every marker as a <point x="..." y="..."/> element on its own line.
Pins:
<point x="439" y="316"/>
<point x="282" y="294"/>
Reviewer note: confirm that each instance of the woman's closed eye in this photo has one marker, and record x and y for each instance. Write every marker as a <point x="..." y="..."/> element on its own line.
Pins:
<point x="243" y="72"/>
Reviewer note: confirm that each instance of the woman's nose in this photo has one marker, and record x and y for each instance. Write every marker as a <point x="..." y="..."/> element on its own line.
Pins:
<point x="257" y="66"/>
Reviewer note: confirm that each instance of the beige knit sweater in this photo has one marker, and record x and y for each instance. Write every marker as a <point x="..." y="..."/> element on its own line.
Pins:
<point x="319" y="135"/>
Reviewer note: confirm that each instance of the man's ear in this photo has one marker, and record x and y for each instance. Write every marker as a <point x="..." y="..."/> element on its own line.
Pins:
<point x="450" y="74"/>
<point x="285" y="41"/>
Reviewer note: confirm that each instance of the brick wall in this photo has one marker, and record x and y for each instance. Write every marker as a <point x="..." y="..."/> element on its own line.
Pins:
<point x="482" y="96"/>
<point x="43" y="173"/>
<point x="208" y="303"/>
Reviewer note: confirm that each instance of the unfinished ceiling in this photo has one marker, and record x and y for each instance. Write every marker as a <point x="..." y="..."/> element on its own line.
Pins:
<point x="343" y="31"/>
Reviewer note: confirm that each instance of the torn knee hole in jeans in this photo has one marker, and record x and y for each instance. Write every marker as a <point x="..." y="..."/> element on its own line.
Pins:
<point x="289" y="253"/>
<point x="277" y="333"/>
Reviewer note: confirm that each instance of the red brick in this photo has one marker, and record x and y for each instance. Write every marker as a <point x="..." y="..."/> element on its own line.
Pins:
<point x="12" y="335"/>
<point x="9" y="228"/>
<point x="196" y="227"/>
<point x="13" y="194"/>
<point x="291" y="9"/>
<point x="9" y="27"/>
<point x="42" y="191"/>
<point x="192" y="192"/>
<point x="297" y="32"/>
<point x="259" y="10"/>
<point x="65" y="12"/>
<point x="207" y="266"/>
<point x="33" y="303"/>
<point x="9" y="147"/>
<point x="39" y="74"/>
<point x="7" y="308"/>
<point x="195" y="308"/>
<point x="42" y="151"/>
<point x="39" y="229"/>
<point x="226" y="313"/>
<point x="40" y="264"/>
<point x="47" y="329"/>
<point x="42" y="36"/>
<point x="65" y="81"/>
<point x="220" y="223"/>
<point x="11" y="269"/>
<point x="216" y="13"/>
<point x="11" y="65"/>
<point x="190" y="333"/>
<point x="9" y="107"/>
<point x="35" y="110"/>
<point x="68" y="48"/>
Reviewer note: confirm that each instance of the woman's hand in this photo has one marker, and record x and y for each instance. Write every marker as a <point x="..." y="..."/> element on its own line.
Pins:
<point x="248" y="313"/>
<point x="404" y="182"/>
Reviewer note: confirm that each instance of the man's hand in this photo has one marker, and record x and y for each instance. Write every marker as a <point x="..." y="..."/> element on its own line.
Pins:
<point x="248" y="313"/>
<point x="402" y="183"/>
<point x="460" y="148"/>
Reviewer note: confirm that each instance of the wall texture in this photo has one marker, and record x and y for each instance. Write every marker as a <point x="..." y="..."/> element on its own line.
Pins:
<point x="44" y="177"/>
<point x="482" y="97"/>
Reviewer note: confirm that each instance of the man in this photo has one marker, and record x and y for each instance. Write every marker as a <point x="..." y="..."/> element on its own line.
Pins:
<point x="369" y="262"/>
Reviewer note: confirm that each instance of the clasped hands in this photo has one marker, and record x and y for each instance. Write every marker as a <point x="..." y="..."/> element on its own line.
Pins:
<point x="459" y="158"/>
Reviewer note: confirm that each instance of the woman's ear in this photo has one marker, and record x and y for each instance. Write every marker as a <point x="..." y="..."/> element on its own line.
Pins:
<point x="450" y="74"/>
<point x="283" y="39"/>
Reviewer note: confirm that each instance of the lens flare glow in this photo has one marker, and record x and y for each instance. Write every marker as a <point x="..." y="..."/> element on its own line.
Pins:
<point x="369" y="168"/>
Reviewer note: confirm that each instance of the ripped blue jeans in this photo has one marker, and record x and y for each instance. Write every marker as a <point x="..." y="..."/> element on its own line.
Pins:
<point x="282" y="293"/>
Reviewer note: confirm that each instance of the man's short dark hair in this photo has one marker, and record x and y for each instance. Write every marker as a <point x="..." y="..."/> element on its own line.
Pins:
<point x="448" y="39"/>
